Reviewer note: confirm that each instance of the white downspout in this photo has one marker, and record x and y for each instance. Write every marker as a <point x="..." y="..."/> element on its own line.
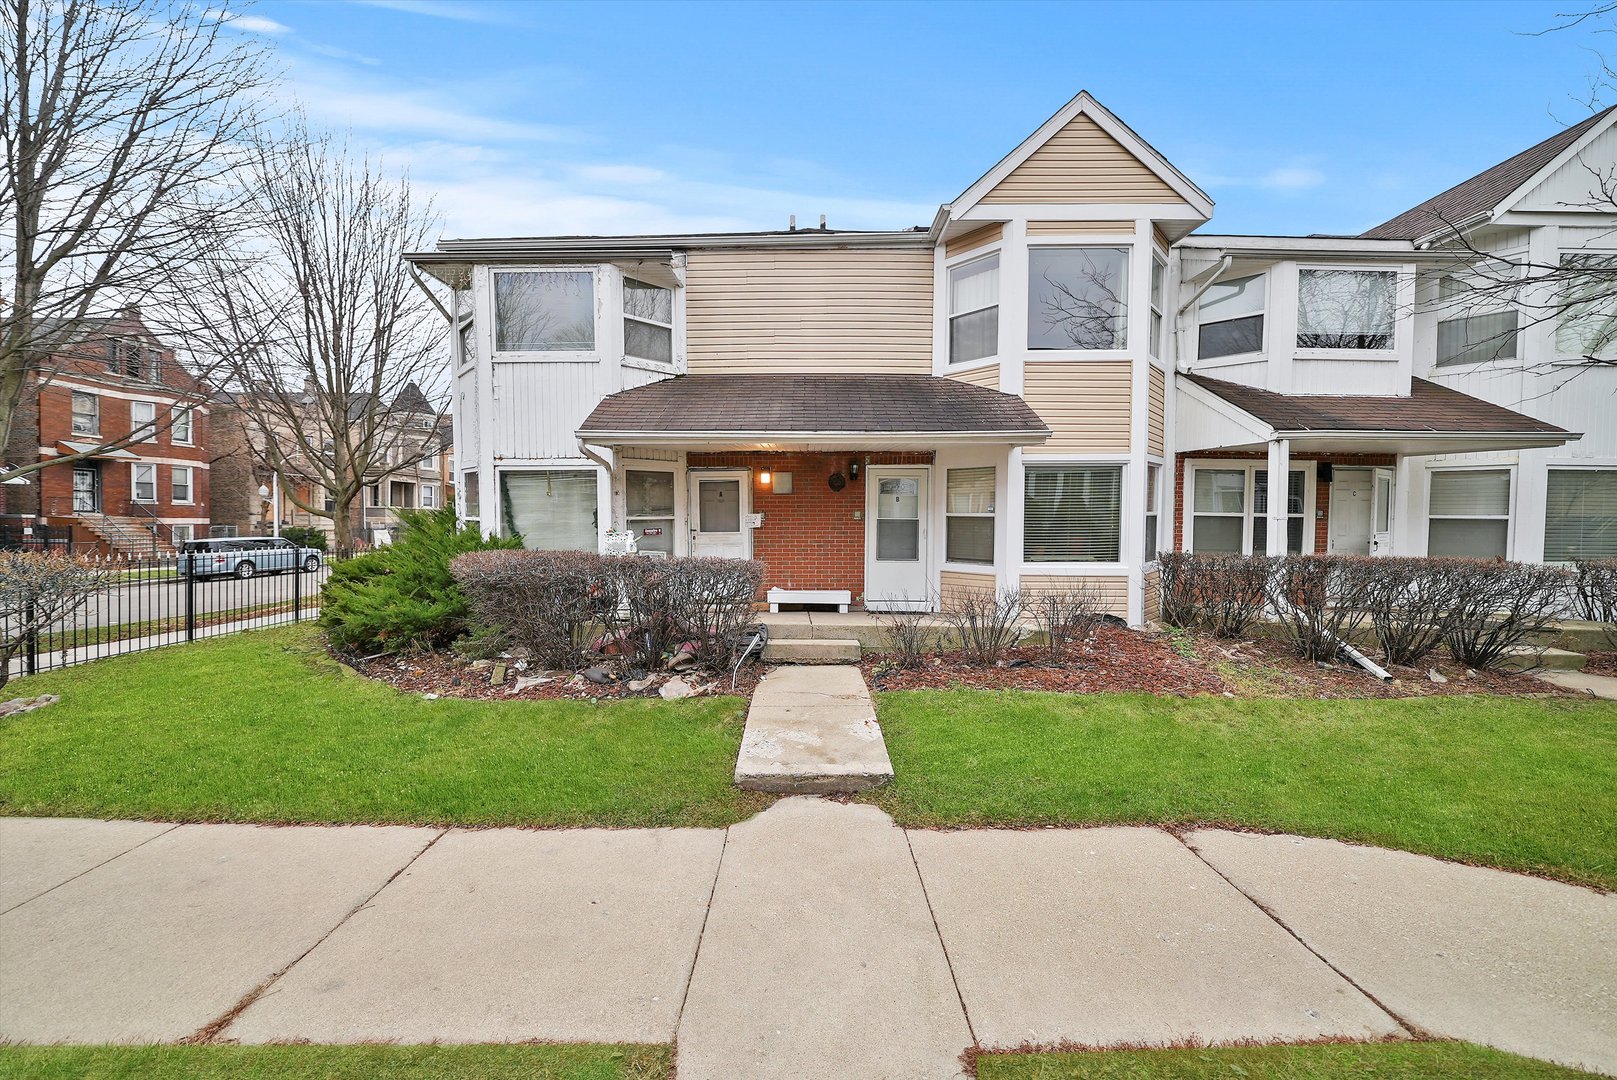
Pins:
<point x="1212" y="275"/>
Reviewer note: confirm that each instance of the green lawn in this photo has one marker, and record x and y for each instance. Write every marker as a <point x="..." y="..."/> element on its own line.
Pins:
<point x="1376" y="1061"/>
<point x="264" y="726"/>
<point x="1520" y="784"/>
<point x="522" y="1062"/>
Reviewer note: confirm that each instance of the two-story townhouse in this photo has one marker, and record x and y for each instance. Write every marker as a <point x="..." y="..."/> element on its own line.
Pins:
<point x="134" y="423"/>
<point x="1008" y="397"/>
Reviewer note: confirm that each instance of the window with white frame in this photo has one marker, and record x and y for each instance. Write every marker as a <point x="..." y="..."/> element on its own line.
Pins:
<point x="969" y="515"/>
<point x="145" y="482"/>
<point x="1588" y="319"/>
<point x="180" y="483"/>
<point x="1077" y="298"/>
<point x="1477" y="323"/>
<point x="544" y="311"/>
<point x="429" y="496"/>
<point x="182" y="534"/>
<point x="1468" y="513"/>
<point x="648" y="508"/>
<point x="551" y="509"/>
<point x="470" y="493"/>
<point x="1158" y="270"/>
<point x="1580" y="515"/>
<point x="1229" y="509"/>
<point x="1153" y="475"/>
<point x="429" y="461"/>
<point x="1072" y="513"/>
<point x="1230" y="318"/>
<point x="180" y="428"/>
<point x="143" y="420"/>
<point x="648" y="321"/>
<point x="1296" y="491"/>
<point x="86" y="414"/>
<point x="974" y="310"/>
<point x="1346" y="309"/>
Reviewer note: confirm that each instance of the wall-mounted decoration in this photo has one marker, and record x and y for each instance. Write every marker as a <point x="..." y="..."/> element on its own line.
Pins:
<point x="837" y="481"/>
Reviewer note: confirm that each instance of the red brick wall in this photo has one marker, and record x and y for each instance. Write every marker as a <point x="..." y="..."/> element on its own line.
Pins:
<point x="809" y="539"/>
<point x="1322" y="488"/>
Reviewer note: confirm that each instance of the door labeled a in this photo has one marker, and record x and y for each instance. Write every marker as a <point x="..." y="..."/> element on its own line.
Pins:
<point x="718" y="513"/>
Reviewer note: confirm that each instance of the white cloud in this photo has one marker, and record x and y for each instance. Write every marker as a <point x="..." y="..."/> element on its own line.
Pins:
<point x="439" y="9"/>
<point x="620" y="174"/>
<point x="256" y="24"/>
<point x="1291" y="178"/>
<point x="370" y="103"/>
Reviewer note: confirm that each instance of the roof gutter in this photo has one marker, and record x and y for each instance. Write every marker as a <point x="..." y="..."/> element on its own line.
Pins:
<point x="840" y="438"/>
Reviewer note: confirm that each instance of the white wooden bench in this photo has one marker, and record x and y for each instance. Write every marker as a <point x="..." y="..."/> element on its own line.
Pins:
<point x="840" y="598"/>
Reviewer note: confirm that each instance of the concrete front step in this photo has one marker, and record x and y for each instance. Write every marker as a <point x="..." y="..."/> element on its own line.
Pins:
<point x="1532" y="658"/>
<point x="1578" y="635"/>
<point x="812" y="651"/>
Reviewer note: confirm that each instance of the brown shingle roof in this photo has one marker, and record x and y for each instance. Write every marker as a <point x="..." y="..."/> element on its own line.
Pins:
<point x="1428" y="408"/>
<point x="874" y="404"/>
<point x="1477" y="196"/>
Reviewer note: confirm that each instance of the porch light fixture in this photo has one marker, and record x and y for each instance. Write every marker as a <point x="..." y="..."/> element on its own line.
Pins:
<point x="763" y="478"/>
<point x="853" y="469"/>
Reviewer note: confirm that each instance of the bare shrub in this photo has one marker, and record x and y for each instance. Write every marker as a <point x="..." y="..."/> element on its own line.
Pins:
<point x="1224" y="594"/>
<point x="544" y="601"/>
<point x="709" y="603"/>
<point x="39" y="592"/>
<point x="1499" y="606"/>
<point x="1066" y="614"/>
<point x="1594" y="589"/>
<point x="1410" y="603"/>
<point x="1319" y="601"/>
<point x="984" y="622"/>
<point x="911" y="637"/>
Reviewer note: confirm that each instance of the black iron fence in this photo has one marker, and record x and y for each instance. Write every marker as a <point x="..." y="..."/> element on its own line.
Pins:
<point x="152" y="602"/>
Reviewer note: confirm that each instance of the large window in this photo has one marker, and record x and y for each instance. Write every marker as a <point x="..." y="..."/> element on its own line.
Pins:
<point x="1473" y="329"/>
<point x="1231" y="318"/>
<point x="974" y="310"/>
<point x="145" y="482"/>
<point x="969" y="515"/>
<point x="143" y="420"/>
<point x="86" y="414"/>
<point x="1296" y="487"/>
<point x="1077" y="298"/>
<point x="544" y="311"/>
<point x="551" y="509"/>
<point x="648" y="504"/>
<point x="1230" y="510"/>
<point x="1346" y="309"/>
<point x="648" y="321"/>
<point x="180" y="483"/>
<point x="1468" y="513"/>
<point x="1580" y="519"/>
<point x="1072" y="513"/>
<point x="1588" y="323"/>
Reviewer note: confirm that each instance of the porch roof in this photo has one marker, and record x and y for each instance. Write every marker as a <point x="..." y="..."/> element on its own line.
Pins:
<point x="1432" y="419"/>
<point x="845" y="411"/>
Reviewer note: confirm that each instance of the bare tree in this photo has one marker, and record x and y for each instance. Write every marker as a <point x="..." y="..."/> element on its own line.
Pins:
<point x="119" y="120"/>
<point x="334" y="354"/>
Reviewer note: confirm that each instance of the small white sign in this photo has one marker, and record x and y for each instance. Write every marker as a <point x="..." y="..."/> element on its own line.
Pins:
<point x="755" y="521"/>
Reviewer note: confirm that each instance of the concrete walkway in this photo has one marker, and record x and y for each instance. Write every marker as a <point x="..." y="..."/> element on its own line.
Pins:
<point x="812" y="730"/>
<point x="817" y="939"/>
<point x="1600" y="686"/>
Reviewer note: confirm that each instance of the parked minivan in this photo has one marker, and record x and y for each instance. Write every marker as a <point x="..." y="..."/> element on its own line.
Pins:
<point x="245" y="557"/>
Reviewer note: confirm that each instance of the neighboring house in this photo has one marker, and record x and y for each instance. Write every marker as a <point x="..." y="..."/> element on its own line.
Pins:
<point x="118" y="391"/>
<point x="1055" y="380"/>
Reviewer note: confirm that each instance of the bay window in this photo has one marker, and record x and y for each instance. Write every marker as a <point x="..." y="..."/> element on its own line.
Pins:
<point x="1468" y="513"/>
<point x="648" y="502"/>
<point x="974" y="310"/>
<point x="1477" y="324"/>
<point x="1346" y="309"/>
<point x="1230" y="314"/>
<point x="1072" y="513"/>
<point x="544" y="311"/>
<point x="1580" y="517"/>
<point x="551" y="509"/>
<point x="969" y="515"/>
<point x="648" y="322"/>
<point x="1077" y="298"/>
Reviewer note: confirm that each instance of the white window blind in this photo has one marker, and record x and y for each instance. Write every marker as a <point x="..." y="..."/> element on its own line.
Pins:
<point x="1345" y="309"/>
<point x="974" y="310"/>
<point x="551" y="509"/>
<point x="969" y="515"/>
<point x="1072" y="513"/>
<point x="1468" y="513"/>
<point x="1470" y="333"/>
<point x="1580" y="520"/>
<point x="1231" y="318"/>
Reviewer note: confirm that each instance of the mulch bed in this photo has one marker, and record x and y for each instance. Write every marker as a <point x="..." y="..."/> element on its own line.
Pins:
<point x="1602" y="663"/>
<point x="448" y="675"/>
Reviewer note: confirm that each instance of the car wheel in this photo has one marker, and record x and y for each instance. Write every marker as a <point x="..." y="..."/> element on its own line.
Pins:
<point x="311" y="564"/>
<point x="245" y="569"/>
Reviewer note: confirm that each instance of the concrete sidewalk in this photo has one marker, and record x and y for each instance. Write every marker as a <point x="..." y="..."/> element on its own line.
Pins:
<point x="816" y="939"/>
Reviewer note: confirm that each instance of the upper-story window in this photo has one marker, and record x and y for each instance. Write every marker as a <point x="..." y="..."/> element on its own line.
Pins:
<point x="180" y="429"/>
<point x="1346" y="309"/>
<point x="1077" y="298"/>
<point x="1588" y="323"/>
<point x="132" y="360"/>
<point x="1231" y="318"/>
<point x="974" y="310"/>
<point x="544" y="311"/>
<point x="1158" y="270"/>
<point x="143" y="420"/>
<point x="86" y="414"/>
<point x="429" y="461"/>
<point x="1477" y="322"/>
<point x="648" y="321"/>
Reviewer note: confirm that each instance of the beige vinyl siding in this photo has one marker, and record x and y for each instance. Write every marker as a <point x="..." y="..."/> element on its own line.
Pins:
<point x="1081" y="163"/>
<point x="987" y="377"/>
<point x="1086" y="404"/>
<point x="1061" y="228"/>
<point x="962" y="244"/>
<point x="1162" y="237"/>
<point x="846" y="312"/>
<point x="1151" y="611"/>
<point x="954" y="583"/>
<point x="1112" y="592"/>
<point x="1157" y="414"/>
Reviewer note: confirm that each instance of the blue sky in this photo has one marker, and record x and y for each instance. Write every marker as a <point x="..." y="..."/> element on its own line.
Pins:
<point x="532" y="119"/>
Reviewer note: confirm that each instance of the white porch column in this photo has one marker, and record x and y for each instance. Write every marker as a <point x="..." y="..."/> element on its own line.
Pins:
<point x="1279" y="484"/>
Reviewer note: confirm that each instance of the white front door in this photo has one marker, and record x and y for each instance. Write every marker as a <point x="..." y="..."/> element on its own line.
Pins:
<point x="1381" y="508"/>
<point x="898" y="572"/>
<point x="1351" y="491"/>
<point x="718" y="513"/>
